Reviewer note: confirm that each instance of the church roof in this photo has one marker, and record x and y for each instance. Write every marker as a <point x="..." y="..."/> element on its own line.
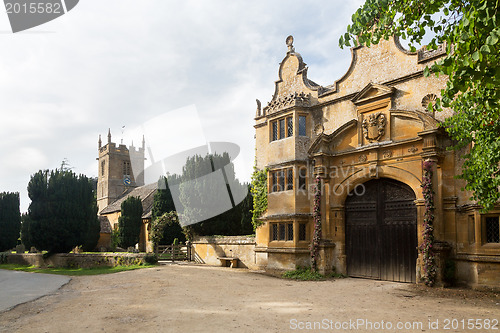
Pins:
<point x="146" y="193"/>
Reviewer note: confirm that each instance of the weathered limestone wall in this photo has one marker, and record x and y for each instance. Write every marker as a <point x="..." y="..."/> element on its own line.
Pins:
<point x="207" y="249"/>
<point x="478" y="272"/>
<point x="75" y="260"/>
<point x="104" y="241"/>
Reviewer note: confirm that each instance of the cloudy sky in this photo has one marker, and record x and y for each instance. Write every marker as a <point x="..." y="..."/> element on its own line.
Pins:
<point x="194" y="66"/>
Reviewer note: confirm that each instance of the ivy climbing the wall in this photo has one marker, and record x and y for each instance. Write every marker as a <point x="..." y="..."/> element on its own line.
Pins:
<point x="426" y="248"/>
<point x="259" y="193"/>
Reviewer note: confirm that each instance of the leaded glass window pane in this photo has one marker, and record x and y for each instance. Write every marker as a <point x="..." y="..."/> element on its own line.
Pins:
<point x="289" y="179"/>
<point x="302" y="126"/>
<point x="275" y="131"/>
<point x="274" y="182"/>
<point x="282" y="128"/>
<point x="275" y="232"/>
<point x="289" y="231"/>
<point x="281" y="176"/>
<point x="302" y="178"/>
<point x="282" y="232"/>
<point x="492" y="229"/>
<point x="302" y="232"/>
<point x="289" y="125"/>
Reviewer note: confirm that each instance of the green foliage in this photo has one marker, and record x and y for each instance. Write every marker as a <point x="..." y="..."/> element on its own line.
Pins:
<point x="10" y="220"/>
<point x="92" y="234"/>
<point x="164" y="204"/>
<point x="62" y="210"/>
<point x="258" y="189"/>
<point x="163" y="201"/>
<point x="73" y="271"/>
<point x="115" y="239"/>
<point x="304" y="274"/>
<point x="25" y="231"/>
<point x="127" y="261"/>
<point x="470" y="31"/>
<point x="199" y="194"/>
<point x="130" y="222"/>
<point x="3" y="257"/>
<point x="151" y="259"/>
<point x="168" y="221"/>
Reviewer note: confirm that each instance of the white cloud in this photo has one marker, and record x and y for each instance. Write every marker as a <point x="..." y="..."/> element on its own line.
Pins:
<point x="114" y="63"/>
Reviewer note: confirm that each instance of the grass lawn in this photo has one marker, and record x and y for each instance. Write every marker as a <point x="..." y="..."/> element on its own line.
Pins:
<point x="73" y="271"/>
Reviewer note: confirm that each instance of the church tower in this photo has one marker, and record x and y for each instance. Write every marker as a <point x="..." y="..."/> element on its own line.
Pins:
<point x="120" y="170"/>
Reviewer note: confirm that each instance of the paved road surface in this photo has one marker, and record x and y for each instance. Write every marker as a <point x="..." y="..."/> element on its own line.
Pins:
<point x="20" y="287"/>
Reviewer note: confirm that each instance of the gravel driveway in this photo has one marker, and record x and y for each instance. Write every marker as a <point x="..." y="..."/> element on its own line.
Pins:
<point x="196" y="298"/>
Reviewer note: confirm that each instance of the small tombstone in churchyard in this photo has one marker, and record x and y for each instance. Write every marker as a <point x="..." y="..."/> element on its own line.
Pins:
<point x="131" y="249"/>
<point x="103" y="249"/>
<point x="33" y="250"/>
<point x="20" y="248"/>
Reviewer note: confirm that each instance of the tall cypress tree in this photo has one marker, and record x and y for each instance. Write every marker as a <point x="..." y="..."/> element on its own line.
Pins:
<point x="25" y="233"/>
<point x="62" y="213"/>
<point x="164" y="203"/>
<point x="10" y="220"/>
<point x="198" y="192"/>
<point x="130" y="222"/>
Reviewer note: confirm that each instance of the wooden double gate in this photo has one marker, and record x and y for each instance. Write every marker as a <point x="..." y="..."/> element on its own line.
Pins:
<point x="173" y="252"/>
<point x="381" y="231"/>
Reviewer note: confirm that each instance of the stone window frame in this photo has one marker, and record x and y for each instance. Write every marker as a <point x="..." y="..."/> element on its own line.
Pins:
<point x="280" y="128"/>
<point x="103" y="165"/>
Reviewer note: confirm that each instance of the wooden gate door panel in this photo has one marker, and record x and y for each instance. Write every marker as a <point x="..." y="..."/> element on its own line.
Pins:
<point x="381" y="232"/>
<point x="362" y="236"/>
<point x="363" y="254"/>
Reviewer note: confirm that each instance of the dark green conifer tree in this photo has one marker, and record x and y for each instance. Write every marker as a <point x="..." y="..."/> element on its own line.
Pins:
<point x="10" y="220"/>
<point x="130" y="222"/>
<point x="63" y="211"/>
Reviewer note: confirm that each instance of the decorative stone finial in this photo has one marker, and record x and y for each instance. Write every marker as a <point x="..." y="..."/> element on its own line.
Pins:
<point x="259" y="108"/>
<point x="289" y="43"/>
<point x="109" y="135"/>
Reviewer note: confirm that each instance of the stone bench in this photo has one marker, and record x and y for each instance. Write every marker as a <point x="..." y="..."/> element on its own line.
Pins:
<point x="228" y="262"/>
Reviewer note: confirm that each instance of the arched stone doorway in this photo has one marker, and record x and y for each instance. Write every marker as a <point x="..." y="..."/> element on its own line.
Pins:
<point x="381" y="231"/>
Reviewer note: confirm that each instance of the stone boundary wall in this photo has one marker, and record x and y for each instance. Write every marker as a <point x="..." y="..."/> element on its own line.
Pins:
<point x="206" y="250"/>
<point x="76" y="260"/>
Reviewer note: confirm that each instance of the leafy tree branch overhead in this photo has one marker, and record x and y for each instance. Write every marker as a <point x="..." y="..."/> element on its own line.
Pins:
<point x="470" y="30"/>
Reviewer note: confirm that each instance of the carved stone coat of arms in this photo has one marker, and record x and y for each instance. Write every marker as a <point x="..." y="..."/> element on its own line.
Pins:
<point x="374" y="126"/>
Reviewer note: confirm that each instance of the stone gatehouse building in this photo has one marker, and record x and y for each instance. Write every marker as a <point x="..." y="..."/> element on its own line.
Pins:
<point x="366" y="136"/>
